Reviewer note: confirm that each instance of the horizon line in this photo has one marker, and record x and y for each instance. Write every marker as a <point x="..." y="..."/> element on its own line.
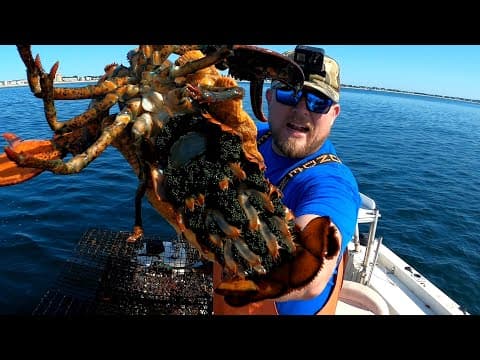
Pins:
<point x="373" y="88"/>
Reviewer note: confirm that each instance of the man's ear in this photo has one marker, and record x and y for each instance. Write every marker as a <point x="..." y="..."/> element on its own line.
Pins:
<point x="337" y="112"/>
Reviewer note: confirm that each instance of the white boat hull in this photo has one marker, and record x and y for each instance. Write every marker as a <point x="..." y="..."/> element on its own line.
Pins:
<point x="379" y="272"/>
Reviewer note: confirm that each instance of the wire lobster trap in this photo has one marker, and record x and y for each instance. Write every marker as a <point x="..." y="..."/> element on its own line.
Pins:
<point x="109" y="276"/>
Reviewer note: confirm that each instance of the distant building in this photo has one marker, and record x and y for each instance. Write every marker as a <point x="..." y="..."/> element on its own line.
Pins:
<point x="69" y="78"/>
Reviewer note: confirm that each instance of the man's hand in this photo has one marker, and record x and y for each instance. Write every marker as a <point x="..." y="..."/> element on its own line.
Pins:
<point x="319" y="240"/>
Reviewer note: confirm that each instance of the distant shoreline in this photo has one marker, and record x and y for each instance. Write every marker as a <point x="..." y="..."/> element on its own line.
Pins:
<point x="472" y="101"/>
<point x="54" y="83"/>
<point x="411" y="93"/>
<point x="357" y="87"/>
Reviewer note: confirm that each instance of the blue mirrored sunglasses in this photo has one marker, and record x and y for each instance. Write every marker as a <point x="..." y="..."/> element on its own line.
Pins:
<point x="315" y="102"/>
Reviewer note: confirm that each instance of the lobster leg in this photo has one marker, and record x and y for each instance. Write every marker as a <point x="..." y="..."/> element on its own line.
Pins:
<point x="142" y="130"/>
<point x="10" y="172"/>
<point x="202" y="63"/>
<point x="99" y="107"/>
<point x="34" y="68"/>
<point x="140" y="193"/>
<point x="90" y="91"/>
<point x="80" y="161"/>
<point x="35" y="73"/>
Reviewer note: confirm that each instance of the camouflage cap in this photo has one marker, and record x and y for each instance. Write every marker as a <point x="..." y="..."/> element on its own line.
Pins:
<point x="328" y="85"/>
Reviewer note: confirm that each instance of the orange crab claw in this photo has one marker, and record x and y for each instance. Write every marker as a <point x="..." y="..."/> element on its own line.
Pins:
<point x="10" y="172"/>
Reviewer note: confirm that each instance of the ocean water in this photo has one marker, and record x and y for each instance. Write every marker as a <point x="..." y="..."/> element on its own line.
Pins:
<point x="417" y="157"/>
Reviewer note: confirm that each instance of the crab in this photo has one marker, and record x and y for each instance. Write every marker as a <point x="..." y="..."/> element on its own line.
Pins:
<point x="182" y="128"/>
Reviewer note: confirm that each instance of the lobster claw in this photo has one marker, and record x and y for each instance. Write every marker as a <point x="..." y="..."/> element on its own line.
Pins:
<point x="316" y="242"/>
<point x="10" y="172"/>
<point x="256" y="64"/>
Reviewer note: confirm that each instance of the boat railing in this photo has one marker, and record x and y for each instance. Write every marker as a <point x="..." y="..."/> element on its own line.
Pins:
<point x="368" y="215"/>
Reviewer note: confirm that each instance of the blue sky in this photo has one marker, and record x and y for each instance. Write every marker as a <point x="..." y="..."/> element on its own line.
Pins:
<point x="451" y="70"/>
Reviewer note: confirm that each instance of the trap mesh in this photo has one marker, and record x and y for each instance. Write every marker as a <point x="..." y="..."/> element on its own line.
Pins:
<point x="109" y="276"/>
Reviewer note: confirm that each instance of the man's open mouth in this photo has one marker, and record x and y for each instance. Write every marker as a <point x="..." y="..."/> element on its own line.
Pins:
<point x="298" y="127"/>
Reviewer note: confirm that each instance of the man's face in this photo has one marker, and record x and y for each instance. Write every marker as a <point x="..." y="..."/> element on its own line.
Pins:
<point x="296" y="131"/>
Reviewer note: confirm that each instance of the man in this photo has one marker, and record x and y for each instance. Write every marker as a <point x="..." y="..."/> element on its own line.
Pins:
<point x="300" y="124"/>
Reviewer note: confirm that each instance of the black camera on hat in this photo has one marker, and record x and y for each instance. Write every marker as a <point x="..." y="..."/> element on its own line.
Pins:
<point x="310" y="59"/>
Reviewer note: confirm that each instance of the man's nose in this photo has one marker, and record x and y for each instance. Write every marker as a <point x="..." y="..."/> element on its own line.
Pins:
<point x="302" y="105"/>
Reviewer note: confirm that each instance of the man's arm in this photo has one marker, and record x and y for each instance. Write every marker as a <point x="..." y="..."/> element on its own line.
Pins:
<point x="316" y="286"/>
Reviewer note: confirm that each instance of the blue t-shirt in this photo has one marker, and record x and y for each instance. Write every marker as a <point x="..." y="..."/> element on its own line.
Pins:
<point x="325" y="190"/>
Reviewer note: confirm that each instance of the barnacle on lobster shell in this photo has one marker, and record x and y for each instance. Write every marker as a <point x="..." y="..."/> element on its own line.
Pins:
<point x="182" y="128"/>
